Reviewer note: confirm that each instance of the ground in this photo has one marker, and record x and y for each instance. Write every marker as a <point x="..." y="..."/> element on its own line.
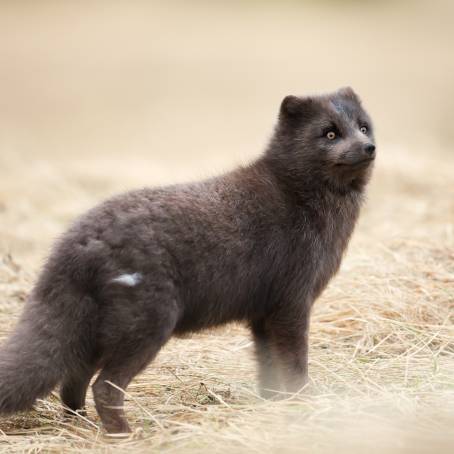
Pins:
<point x="95" y="100"/>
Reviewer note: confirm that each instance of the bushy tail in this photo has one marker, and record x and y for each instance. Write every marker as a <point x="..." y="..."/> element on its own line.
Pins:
<point x="49" y="341"/>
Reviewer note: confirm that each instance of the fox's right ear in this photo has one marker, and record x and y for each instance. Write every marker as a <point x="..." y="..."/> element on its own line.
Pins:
<point x="349" y="93"/>
<point x="294" y="107"/>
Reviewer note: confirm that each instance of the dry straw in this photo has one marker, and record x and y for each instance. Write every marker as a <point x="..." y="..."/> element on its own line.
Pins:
<point x="381" y="360"/>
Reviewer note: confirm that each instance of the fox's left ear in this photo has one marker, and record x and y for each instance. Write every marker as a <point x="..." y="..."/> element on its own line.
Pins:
<point x="349" y="93"/>
<point x="295" y="107"/>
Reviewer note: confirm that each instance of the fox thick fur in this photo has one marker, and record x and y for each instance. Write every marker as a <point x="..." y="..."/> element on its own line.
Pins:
<point x="257" y="244"/>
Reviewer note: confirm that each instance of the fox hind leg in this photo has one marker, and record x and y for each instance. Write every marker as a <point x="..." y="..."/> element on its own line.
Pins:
<point x="74" y="390"/>
<point x="134" y="352"/>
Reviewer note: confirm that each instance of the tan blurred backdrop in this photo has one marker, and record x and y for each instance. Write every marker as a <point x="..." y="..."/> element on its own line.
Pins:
<point x="97" y="97"/>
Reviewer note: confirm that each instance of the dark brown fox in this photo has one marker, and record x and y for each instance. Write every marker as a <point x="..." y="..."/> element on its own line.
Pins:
<point x="258" y="244"/>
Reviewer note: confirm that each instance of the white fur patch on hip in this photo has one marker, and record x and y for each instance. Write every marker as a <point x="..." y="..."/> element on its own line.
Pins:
<point x="129" y="280"/>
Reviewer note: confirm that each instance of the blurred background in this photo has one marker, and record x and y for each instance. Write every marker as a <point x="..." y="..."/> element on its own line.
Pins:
<point x="97" y="97"/>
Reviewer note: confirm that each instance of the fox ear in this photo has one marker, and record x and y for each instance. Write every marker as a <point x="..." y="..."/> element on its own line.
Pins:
<point x="349" y="93"/>
<point x="294" y="107"/>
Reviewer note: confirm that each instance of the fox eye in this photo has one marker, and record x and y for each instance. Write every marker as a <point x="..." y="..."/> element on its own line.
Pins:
<point x="363" y="129"/>
<point x="330" y="135"/>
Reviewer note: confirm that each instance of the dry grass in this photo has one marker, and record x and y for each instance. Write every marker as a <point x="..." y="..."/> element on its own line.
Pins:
<point x="382" y="335"/>
<point x="381" y="363"/>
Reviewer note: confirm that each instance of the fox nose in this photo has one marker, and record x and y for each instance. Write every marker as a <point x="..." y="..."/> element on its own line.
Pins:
<point x="370" y="150"/>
